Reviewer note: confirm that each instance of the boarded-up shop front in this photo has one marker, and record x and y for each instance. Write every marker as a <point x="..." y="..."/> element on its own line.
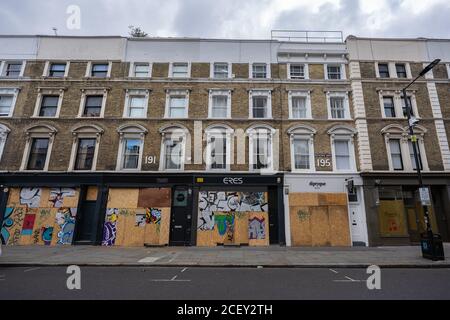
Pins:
<point x="323" y="211"/>
<point x="137" y="217"/>
<point x="237" y="210"/>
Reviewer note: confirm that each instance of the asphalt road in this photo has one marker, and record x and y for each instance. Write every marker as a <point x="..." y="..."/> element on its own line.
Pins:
<point x="222" y="283"/>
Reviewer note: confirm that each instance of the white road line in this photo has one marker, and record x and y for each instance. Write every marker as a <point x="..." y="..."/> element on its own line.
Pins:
<point x="170" y="280"/>
<point x="184" y="269"/>
<point x="333" y="271"/>
<point x="31" y="269"/>
<point x="174" y="277"/>
<point x="149" y="259"/>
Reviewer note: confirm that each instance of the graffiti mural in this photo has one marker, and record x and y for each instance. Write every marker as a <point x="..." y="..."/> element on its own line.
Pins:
<point x="65" y="219"/>
<point x="6" y="225"/>
<point x="221" y="201"/>
<point x="110" y="227"/>
<point x="256" y="228"/>
<point x="57" y="196"/>
<point x="46" y="235"/>
<point x="28" y="224"/>
<point x="30" y="197"/>
<point x="152" y="216"/>
<point x="140" y="219"/>
<point x="224" y="223"/>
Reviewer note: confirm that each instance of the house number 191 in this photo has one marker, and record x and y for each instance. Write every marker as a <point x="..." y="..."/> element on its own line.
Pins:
<point x="150" y="159"/>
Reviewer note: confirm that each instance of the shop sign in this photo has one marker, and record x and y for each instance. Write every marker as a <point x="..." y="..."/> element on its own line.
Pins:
<point x="425" y="198"/>
<point x="228" y="180"/>
<point x="317" y="185"/>
<point x="323" y="159"/>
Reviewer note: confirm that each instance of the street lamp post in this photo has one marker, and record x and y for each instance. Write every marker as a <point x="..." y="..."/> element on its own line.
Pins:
<point x="412" y="121"/>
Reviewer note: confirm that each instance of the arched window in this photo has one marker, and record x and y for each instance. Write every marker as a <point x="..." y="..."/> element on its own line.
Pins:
<point x="86" y="140"/>
<point x="399" y="148"/>
<point x="302" y="148"/>
<point x="218" y="147"/>
<point x="38" y="147"/>
<point x="173" y="147"/>
<point x="261" y="155"/>
<point x="131" y="146"/>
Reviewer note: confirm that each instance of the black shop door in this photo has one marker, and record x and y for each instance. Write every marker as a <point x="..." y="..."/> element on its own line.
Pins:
<point x="85" y="222"/>
<point x="181" y="216"/>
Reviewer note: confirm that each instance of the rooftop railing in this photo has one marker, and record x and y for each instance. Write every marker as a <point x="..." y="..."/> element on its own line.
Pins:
<point x="307" y="36"/>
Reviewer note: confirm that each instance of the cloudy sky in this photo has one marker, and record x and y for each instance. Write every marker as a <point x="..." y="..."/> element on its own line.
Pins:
<point x="230" y="18"/>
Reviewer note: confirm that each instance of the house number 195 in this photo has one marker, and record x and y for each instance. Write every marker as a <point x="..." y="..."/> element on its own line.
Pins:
<point x="323" y="162"/>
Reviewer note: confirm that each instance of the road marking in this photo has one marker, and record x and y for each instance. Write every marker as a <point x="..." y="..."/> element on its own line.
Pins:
<point x="333" y="271"/>
<point x="184" y="269"/>
<point x="173" y="258"/>
<point x="149" y="259"/>
<point x="31" y="269"/>
<point x="170" y="280"/>
<point x="174" y="277"/>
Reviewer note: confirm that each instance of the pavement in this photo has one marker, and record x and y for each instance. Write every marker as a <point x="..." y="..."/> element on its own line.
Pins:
<point x="222" y="284"/>
<point x="272" y="256"/>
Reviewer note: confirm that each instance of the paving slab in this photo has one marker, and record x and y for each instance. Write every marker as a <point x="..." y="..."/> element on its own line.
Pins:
<point x="272" y="256"/>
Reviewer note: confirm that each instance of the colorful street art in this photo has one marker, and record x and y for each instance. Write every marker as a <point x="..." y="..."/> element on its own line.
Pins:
<point x="152" y="216"/>
<point x="110" y="227"/>
<point x="57" y="196"/>
<point x="224" y="223"/>
<point x="30" y="197"/>
<point x="65" y="219"/>
<point x="221" y="201"/>
<point x="140" y="219"/>
<point x="7" y="223"/>
<point x="28" y="224"/>
<point x="46" y="235"/>
<point x="256" y="228"/>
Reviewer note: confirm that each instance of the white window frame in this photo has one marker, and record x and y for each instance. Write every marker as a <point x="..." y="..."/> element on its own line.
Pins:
<point x="90" y="65"/>
<point x="132" y="71"/>
<point x="85" y="132"/>
<point x="174" y="93"/>
<point x="46" y="73"/>
<point x="302" y="94"/>
<point x="260" y="93"/>
<point x="171" y="65"/>
<point x="398" y="132"/>
<point x="4" y="131"/>
<point x="3" y="68"/>
<point x="214" y="131"/>
<point x="305" y="133"/>
<point x="10" y="92"/>
<point x="251" y="132"/>
<point x="268" y="71"/>
<point x="92" y="92"/>
<point x="342" y="71"/>
<point x="176" y="132"/>
<point x="38" y="131"/>
<point x="219" y="92"/>
<point x="305" y="71"/>
<point x="448" y="70"/>
<point x="345" y="133"/>
<point x="338" y="94"/>
<point x="129" y="94"/>
<point x="397" y="95"/>
<point x="377" y="70"/>
<point x="132" y="131"/>
<point x="48" y="92"/>
<point x="407" y="69"/>
<point x="211" y="70"/>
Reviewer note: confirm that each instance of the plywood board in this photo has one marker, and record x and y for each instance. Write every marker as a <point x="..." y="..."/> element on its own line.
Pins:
<point x="205" y="238"/>
<point x="151" y="234"/>
<point x="43" y="231"/>
<point x="320" y="226"/>
<point x="45" y="196"/>
<point x="241" y="228"/>
<point x="17" y="216"/>
<point x="164" y="228"/>
<point x="339" y="226"/>
<point x="123" y="198"/>
<point x="91" y="193"/>
<point x="300" y="218"/>
<point x="14" y="198"/>
<point x="303" y="199"/>
<point x="154" y="197"/>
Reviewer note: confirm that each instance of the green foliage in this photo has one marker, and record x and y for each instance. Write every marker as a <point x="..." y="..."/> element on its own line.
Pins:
<point x="137" y="32"/>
